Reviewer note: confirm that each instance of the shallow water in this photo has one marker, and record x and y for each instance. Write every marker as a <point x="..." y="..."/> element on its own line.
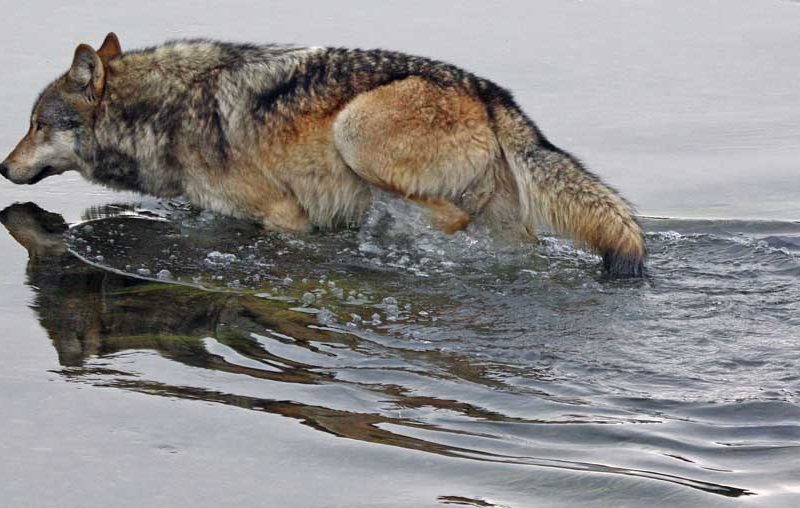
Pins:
<point x="684" y="385"/>
<point x="157" y="354"/>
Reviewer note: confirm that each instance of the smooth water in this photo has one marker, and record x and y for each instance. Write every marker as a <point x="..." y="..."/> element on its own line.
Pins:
<point x="155" y="354"/>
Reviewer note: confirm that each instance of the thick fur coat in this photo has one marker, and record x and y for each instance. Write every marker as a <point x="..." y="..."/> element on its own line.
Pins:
<point x="295" y="138"/>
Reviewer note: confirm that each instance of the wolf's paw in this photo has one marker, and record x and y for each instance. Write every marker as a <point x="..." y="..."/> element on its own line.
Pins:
<point x="449" y="218"/>
<point x="624" y="265"/>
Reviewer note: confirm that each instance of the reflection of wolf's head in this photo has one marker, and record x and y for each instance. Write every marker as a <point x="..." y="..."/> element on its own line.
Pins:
<point x="60" y="126"/>
<point x="60" y="285"/>
<point x="39" y="231"/>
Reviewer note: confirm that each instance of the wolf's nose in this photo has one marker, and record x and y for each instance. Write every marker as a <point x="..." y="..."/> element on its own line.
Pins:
<point x="4" y="170"/>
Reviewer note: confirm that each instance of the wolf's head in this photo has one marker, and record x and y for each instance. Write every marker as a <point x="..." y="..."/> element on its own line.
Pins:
<point x="62" y="118"/>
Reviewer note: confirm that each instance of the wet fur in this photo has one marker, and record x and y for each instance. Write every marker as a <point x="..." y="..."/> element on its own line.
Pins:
<point x="296" y="138"/>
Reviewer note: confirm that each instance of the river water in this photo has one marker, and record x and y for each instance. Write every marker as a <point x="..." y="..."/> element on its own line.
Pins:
<point x="156" y="354"/>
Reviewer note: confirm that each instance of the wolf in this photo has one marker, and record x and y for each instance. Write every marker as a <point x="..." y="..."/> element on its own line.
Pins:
<point x="296" y="138"/>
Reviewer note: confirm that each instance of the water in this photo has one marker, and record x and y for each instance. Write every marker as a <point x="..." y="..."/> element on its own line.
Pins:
<point x="157" y="354"/>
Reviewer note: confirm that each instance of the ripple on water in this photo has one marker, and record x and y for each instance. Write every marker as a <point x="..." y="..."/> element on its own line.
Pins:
<point x="459" y="346"/>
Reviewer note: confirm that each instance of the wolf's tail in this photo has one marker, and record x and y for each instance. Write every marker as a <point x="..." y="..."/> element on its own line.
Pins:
<point x="555" y="189"/>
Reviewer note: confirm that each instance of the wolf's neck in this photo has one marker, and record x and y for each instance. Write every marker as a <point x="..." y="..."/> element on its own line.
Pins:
<point x="174" y="107"/>
<point x="189" y="61"/>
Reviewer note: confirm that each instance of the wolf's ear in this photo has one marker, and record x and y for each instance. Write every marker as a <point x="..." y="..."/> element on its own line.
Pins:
<point x="87" y="72"/>
<point x="110" y="48"/>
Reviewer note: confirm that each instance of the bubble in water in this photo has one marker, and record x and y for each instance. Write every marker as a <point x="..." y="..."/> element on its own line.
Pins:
<point x="326" y="317"/>
<point x="370" y="248"/>
<point x="220" y="258"/>
<point x="164" y="275"/>
<point x="308" y="298"/>
<point x="392" y="312"/>
<point x="143" y="271"/>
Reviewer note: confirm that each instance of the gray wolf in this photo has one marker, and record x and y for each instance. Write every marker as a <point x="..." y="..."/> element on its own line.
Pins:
<point x="295" y="138"/>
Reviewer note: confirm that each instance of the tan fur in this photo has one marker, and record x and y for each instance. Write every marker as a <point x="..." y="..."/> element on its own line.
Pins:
<point x="293" y="178"/>
<point x="303" y="158"/>
<point x="110" y="48"/>
<point x="446" y="216"/>
<point x="39" y="147"/>
<point x="24" y="154"/>
<point x="421" y="141"/>
<point x="554" y="189"/>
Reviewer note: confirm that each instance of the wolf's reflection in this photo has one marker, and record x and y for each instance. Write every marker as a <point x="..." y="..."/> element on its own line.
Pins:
<point x="89" y="312"/>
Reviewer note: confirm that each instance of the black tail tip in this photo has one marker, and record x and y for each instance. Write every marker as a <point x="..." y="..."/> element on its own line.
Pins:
<point x="624" y="266"/>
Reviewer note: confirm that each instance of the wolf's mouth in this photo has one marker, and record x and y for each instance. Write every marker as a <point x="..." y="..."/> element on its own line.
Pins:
<point x="44" y="173"/>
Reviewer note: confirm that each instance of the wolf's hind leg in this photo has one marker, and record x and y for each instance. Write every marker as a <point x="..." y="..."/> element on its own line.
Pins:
<point x="286" y="215"/>
<point x="433" y="145"/>
<point x="445" y="215"/>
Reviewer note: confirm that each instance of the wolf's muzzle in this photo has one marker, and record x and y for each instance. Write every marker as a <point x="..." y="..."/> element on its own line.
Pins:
<point x="4" y="170"/>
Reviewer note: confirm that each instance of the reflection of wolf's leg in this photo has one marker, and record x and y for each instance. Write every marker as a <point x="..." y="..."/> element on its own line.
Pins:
<point x="432" y="145"/>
